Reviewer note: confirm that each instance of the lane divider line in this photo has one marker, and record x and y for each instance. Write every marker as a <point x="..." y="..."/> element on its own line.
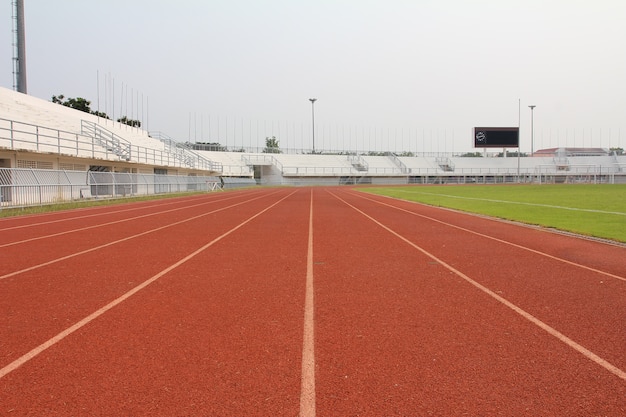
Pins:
<point x="65" y="333"/>
<point x="307" y="389"/>
<point x="134" y="207"/>
<point x="550" y="330"/>
<point x="95" y="248"/>
<point x="547" y="255"/>
<point x="128" y="219"/>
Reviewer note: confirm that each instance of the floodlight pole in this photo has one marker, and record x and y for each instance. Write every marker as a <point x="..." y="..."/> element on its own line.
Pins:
<point x="19" y="59"/>
<point x="313" y="100"/>
<point x="532" y="129"/>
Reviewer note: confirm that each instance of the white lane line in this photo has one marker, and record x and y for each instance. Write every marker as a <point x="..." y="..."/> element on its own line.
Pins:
<point x="128" y="219"/>
<point x="56" y="339"/>
<point x="618" y="213"/>
<point x="307" y="390"/>
<point x="550" y="330"/>
<point x="506" y="242"/>
<point x="95" y="248"/>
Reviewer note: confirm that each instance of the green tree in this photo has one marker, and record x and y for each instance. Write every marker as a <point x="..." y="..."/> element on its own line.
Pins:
<point x="130" y="122"/>
<point x="271" y="145"/>
<point x="100" y="114"/>
<point x="617" y="151"/>
<point x="78" y="103"/>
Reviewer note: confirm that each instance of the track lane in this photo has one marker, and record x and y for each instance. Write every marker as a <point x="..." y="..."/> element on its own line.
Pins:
<point x="54" y="217"/>
<point x="214" y="336"/>
<point x="75" y="241"/>
<point x="35" y="220"/>
<point x="75" y="221"/>
<point x="573" y="249"/>
<point x="40" y="302"/>
<point x="586" y="304"/>
<point x="398" y="334"/>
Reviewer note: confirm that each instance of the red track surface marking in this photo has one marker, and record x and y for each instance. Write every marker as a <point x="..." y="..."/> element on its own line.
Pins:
<point x="36" y="351"/>
<point x="80" y="229"/>
<point x="103" y="211"/>
<point x="54" y="219"/>
<point x="312" y="301"/>
<point x="505" y="242"/>
<point x="553" y="332"/>
<point x="215" y="336"/>
<point x="307" y="390"/>
<point x="38" y="304"/>
<point x="575" y="300"/>
<point x="63" y="258"/>
<point x="399" y="334"/>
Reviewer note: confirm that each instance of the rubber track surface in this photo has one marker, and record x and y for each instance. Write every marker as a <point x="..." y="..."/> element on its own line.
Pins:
<point x="196" y="306"/>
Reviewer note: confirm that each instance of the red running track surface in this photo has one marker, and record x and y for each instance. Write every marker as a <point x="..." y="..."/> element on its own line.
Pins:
<point x="305" y="301"/>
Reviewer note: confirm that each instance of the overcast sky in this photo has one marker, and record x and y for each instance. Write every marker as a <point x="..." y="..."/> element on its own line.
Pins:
<point x="412" y="75"/>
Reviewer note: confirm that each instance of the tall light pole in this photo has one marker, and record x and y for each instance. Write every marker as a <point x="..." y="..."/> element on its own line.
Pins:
<point x="313" y="100"/>
<point x="532" y="129"/>
<point x="19" y="42"/>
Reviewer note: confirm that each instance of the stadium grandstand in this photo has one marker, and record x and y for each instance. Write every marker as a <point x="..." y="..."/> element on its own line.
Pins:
<point x="51" y="153"/>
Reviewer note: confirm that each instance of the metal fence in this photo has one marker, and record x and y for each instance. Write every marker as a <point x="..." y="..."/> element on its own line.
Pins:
<point x="32" y="187"/>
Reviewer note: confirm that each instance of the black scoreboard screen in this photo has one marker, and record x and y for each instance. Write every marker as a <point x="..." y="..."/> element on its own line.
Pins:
<point x="496" y="137"/>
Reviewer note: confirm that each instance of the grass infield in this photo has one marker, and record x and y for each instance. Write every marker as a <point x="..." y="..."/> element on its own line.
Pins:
<point x="592" y="210"/>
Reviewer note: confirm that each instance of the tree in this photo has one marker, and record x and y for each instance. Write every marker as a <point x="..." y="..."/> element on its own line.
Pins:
<point x="100" y="114"/>
<point x="617" y="151"/>
<point x="125" y="120"/>
<point x="271" y="145"/>
<point x="472" y="155"/>
<point x="78" y="103"/>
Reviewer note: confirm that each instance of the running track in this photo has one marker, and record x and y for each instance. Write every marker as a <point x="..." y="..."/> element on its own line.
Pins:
<point x="305" y="301"/>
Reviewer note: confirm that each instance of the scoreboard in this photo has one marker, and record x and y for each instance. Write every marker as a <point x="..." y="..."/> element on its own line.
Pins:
<point x="496" y="137"/>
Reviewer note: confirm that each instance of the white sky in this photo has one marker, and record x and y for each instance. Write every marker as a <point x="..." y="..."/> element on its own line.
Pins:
<point x="413" y="75"/>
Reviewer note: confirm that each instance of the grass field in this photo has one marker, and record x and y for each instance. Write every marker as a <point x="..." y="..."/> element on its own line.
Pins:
<point x="592" y="210"/>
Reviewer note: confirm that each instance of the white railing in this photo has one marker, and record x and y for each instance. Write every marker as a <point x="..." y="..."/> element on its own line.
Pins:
<point x="93" y="142"/>
<point x="107" y="139"/>
<point x="399" y="163"/>
<point x="29" y="137"/>
<point x="358" y="162"/>
<point x="186" y="154"/>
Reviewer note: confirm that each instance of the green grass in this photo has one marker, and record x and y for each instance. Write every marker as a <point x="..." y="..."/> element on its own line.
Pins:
<point x="592" y="210"/>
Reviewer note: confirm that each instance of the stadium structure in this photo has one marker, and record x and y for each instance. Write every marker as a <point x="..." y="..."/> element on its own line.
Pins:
<point x="51" y="153"/>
